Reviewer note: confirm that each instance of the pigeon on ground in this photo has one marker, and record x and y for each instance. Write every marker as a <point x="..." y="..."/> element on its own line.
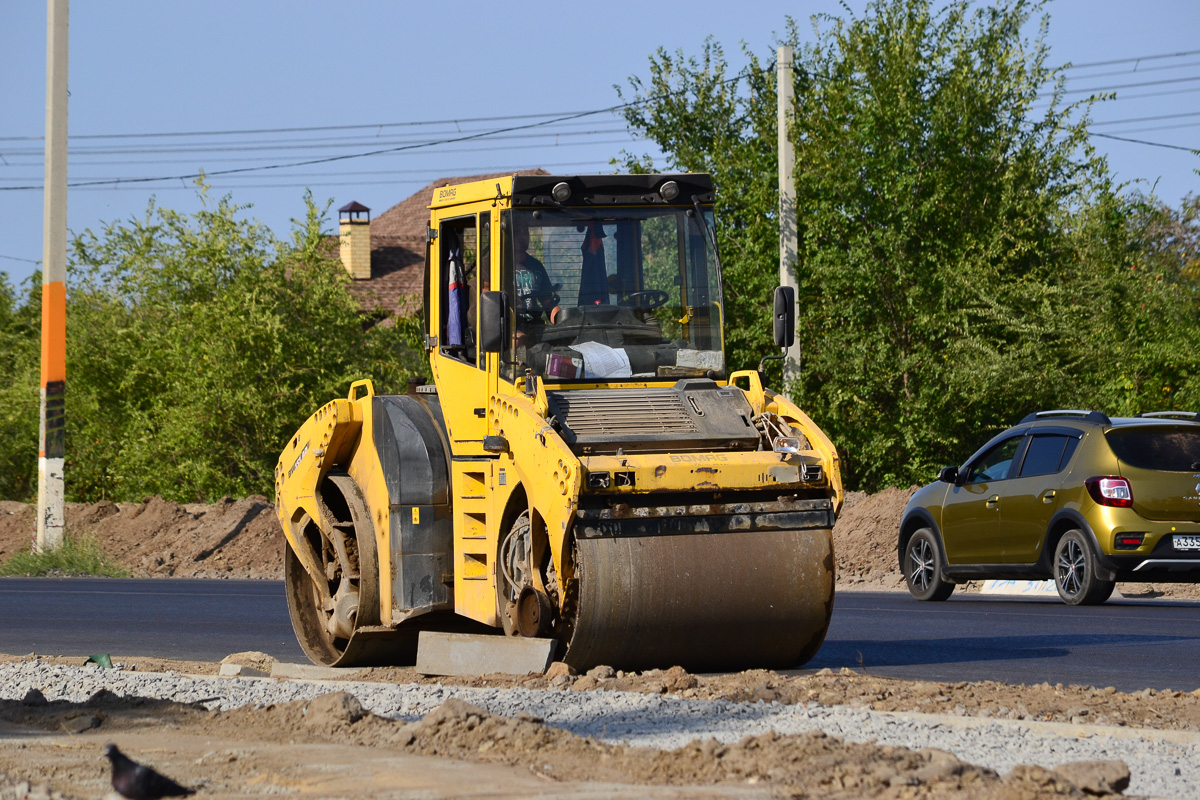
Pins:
<point x="139" y="782"/>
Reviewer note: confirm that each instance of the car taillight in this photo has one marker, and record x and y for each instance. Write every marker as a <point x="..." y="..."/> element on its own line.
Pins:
<point x="1110" y="491"/>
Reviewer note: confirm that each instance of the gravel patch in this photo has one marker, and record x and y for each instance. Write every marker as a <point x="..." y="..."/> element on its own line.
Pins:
<point x="1160" y="766"/>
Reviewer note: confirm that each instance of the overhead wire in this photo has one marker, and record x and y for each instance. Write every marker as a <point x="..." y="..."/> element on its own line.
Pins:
<point x="408" y="144"/>
<point x="348" y="156"/>
<point x="1143" y="141"/>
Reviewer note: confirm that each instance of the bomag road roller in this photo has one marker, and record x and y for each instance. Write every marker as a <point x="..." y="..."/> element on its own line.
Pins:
<point x="583" y="465"/>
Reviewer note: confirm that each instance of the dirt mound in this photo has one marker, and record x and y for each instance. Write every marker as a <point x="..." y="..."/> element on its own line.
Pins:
<point x="864" y="539"/>
<point x="242" y="539"/>
<point x="816" y="765"/>
<point x="159" y="538"/>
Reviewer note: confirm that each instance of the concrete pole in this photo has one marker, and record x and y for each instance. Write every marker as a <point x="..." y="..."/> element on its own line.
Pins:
<point x="788" y="235"/>
<point x="54" y="292"/>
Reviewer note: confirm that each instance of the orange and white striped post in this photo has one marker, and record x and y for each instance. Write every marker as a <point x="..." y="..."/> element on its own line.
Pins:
<point x="54" y="286"/>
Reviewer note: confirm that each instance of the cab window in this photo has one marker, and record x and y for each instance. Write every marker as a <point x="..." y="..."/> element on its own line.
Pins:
<point x="458" y="257"/>
<point x="1048" y="454"/>
<point x="994" y="465"/>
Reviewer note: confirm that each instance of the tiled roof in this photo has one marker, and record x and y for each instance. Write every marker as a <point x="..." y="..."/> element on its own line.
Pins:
<point x="398" y="247"/>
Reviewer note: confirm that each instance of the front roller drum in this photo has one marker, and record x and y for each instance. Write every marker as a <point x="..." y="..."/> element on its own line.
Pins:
<point x="346" y="631"/>
<point x="705" y="601"/>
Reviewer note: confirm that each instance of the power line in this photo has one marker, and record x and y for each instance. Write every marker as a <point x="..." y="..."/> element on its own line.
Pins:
<point x="1176" y="127"/>
<point x="1143" y="141"/>
<point x="303" y="145"/>
<point x="1155" y="57"/>
<point x="26" y="260"/>
<point x="572" y="128"/>
<point x="328" y="159"/>
<point x="1147" y="119"/>
<point x="541" y="147"/>
<point x="1137" y="70"/>
<point x="1115" y="87"/>
<point x="304" y="129"/>
<point x="381" y="151"/>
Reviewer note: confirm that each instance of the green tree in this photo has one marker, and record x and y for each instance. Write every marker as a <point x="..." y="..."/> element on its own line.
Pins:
<point x="932" y="261"/>
<point x="963" y="256"/>
<point x="20" y="348"/>
<point x="706" y="120"/>
<point x="1136" y="319"/>
<point x="197" y="345"/>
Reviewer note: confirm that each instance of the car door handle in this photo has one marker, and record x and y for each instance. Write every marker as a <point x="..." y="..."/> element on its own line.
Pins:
<point x="1048" y="496"/>
<point x="993" y="501"/>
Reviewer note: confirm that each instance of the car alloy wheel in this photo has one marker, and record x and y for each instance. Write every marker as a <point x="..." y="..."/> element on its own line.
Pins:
<point x="1075" y="572"/>
<point x="923" y="567"/>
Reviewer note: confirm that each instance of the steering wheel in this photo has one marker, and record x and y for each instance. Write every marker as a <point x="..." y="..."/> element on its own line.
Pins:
<point x="654" y="298"/>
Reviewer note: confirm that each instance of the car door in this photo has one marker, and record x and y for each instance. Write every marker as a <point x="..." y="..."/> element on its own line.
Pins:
<point x="971" y="510"/>
<point x="1029" y="498"/>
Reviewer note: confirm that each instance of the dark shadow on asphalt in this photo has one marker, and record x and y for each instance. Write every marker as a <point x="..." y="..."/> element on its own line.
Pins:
<point x="957" y="650"/>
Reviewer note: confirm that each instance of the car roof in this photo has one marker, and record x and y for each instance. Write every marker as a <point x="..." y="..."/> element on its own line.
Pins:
<point x="1076" y="418"/>
<point x="1077" y="422"/>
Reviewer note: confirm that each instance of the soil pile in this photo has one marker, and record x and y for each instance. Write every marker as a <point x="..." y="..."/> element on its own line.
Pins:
<point x="242" y="539"/>
<point x="159" y="538"/>
<point x="813" y="766"/>
<point x="864" y="539"/>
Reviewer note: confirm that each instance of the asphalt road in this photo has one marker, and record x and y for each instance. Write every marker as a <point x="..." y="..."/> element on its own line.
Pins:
<point x="1127" y="644"/>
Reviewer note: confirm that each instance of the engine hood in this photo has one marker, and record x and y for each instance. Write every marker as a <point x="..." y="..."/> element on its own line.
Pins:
<point x="694" y="415"/>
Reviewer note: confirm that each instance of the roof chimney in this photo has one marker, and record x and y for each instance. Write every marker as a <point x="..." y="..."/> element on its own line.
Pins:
<point x="354" y="229"/>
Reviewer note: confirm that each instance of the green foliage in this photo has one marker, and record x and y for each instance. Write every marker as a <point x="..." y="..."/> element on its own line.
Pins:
<point x="20" y="348"/>
<point x="930" y="263"/>
<point x="706" y="121"/>
<point x="963" y="256"/>
<point x="78" y="555"/>
<point x="196" y="345"/>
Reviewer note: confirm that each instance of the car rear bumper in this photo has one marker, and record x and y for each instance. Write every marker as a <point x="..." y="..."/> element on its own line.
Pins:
<point x="1161" y="563"/>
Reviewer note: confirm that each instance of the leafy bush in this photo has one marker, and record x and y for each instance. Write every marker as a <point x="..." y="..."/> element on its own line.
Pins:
<point x="196" y="346"/>
<point x="964" y="257"/>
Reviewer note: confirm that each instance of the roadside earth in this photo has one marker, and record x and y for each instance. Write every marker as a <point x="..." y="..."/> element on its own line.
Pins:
<point x="308" y="748"/>
<point x="241" y="539"/>
<point x="331" y="746"/>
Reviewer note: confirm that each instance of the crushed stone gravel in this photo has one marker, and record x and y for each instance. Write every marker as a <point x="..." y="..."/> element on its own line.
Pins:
<point x="1160" y="767"/>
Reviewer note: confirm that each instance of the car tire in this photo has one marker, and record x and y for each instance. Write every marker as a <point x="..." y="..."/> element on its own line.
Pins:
<point x="1075" y="567"/>
<point x="923" y="567"/>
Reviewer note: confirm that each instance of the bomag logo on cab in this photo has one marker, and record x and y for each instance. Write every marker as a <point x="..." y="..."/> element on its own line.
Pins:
<point x="697" y="459"/>
<point x="446" y="193"/>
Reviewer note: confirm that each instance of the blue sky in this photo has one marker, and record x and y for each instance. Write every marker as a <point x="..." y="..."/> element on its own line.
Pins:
<point x="241" y="78"/>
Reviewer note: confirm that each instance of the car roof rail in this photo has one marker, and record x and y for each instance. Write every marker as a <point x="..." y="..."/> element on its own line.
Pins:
<point x="1087" y="416"/>
<point x="1188" y="415"/>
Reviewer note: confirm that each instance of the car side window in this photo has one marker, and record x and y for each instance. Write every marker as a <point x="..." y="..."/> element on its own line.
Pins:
<point x="1045" y="455"/>
<point x="995" y="463"/>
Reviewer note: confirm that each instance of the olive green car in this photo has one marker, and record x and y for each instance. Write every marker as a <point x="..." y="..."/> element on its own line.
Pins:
<point x="1069" y="495"/>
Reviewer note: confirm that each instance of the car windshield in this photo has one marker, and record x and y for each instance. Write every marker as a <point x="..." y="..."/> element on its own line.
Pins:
<point x="612" y="294"/>
<point x="1164" y="448"/>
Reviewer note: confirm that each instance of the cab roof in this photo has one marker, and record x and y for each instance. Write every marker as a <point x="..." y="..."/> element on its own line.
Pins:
<point x="536" y="191"/>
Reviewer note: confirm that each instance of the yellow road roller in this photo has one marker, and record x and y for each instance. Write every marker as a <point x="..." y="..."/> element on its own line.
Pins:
<point x="583" y="466"/>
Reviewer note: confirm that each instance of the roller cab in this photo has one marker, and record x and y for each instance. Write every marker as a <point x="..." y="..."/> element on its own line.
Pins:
<point x="582" y="466"/>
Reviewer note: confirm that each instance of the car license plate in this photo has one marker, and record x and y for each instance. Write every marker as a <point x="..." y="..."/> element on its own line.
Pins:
<point x="1186" y="542"/>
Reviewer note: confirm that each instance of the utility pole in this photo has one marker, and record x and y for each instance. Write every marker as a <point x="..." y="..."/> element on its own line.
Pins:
<point x="54" y="290"/>
<point x="788" y="231"/>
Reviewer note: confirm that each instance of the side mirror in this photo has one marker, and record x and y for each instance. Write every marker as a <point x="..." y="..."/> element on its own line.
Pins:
<point x="785" y="316"/>
<point x="493" y="321"/>
<point x="948" y="474"/>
